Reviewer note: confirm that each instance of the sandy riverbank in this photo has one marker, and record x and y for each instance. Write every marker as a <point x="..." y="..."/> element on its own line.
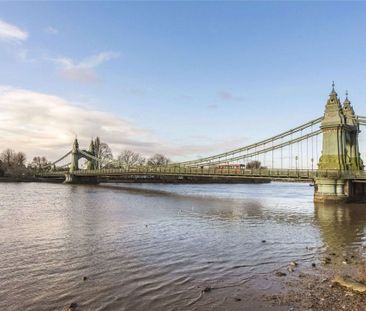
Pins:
<point x="304" y="287"/>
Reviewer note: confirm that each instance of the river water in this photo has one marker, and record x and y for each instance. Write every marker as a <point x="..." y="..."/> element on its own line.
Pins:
<point x="155" y="247"/>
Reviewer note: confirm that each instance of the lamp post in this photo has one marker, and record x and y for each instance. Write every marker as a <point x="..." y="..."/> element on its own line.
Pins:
<point x="296" y="159"/>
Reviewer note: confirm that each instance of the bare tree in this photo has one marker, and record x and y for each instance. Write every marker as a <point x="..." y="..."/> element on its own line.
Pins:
<point x="39" y="162"/>
<point x="20" y="159"/>
<point x="130" y="158"/>
<point x="36" y="162"/>
<point x="158" y="159"/>
<point x="254" y="165"/>
<point x="102" y="151"/>
<point x="2" y="169"/>
<point x="8" y="157"/>
<point x="12" y="163"/>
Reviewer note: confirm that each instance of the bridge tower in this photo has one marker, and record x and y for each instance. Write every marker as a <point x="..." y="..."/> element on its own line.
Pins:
<point x="353" y="156"/>
<point x="340" y="153"/>
<point x="74" y="166"/>
<point x="91" y="163"/>
<point x="72" y="177"/>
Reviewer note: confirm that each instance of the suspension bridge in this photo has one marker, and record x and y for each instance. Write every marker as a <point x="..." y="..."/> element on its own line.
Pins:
<point x="324" y="150"/>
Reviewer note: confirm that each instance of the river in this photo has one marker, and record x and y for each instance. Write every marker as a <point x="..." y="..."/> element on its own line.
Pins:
<point x="158" y="246"/>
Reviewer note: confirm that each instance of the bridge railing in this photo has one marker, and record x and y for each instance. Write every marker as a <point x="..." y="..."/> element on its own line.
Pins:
<point x="194" y="171"/>
<point x="214" y="171"/>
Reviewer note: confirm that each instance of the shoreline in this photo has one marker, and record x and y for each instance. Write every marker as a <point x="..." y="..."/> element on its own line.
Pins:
<point x="29" y="179"/>
<point x="336" y="282"/>
<point x="303" y="289"/>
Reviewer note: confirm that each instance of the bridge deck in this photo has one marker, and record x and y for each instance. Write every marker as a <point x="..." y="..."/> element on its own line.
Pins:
<point x="214" y="172"/>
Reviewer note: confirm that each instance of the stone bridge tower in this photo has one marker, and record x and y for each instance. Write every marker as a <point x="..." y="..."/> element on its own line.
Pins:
<point x="91" y="163"/>
<point x="71" y="177"/>
<point x="352" y="129"/>
<point x="74" y="166"/>
<point x="340" y="153"/>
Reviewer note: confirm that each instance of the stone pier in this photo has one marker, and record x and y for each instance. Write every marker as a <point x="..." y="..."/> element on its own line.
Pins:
<point x="328" y="190"/>
<point x="73" y="179"/>
<point x="340" y="153"/>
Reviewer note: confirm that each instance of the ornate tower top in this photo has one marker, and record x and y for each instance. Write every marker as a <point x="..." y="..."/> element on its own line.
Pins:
<point x="347" y="103"/>
<point x="75" y="146"/>
<point x="333" y="115"/>
<point x="348" y="112"/>
<point x="92" y="147"/>
<point x="333" y="96"/>
<point x="333" y="92"/>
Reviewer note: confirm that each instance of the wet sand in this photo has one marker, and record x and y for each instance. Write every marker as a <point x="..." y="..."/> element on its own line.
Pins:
<point x="305" y="288"/>
<point x="322" y="287"/>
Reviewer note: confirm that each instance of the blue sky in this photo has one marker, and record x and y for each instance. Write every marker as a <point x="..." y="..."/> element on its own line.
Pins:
<point x="183" y="78"/>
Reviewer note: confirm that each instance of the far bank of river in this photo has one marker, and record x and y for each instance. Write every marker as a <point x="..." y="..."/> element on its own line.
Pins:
<point x="141" y="179"/>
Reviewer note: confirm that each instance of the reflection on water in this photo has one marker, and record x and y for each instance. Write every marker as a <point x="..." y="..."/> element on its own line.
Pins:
<point x="342" y="227"/>
<point x="151" y="246"/>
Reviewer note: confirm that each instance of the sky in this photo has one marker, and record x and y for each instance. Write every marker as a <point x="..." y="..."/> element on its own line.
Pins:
<point x="183" y="78"/>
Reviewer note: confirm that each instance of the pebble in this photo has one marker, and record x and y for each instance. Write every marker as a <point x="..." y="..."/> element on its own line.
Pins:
<point x="207" y="289"/>
<point x="349" y="294"/>
<point x="73" y="306"/>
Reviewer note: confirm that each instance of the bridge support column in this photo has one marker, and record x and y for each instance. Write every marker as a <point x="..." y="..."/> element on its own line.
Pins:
<point x="328" y="190"/>
<point x="340" y="157"/>
<point x="356" y="191"/>
<point x="73" y="179"/>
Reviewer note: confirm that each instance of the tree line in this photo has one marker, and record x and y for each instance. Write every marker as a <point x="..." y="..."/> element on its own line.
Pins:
<point x="14" y="163"/>
<point x="126" y="157"/>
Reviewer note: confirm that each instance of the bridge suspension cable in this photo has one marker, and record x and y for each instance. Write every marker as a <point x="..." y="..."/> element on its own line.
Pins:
<point x="91" y="157"/>
<point x="266" y="150"/>
<point x="224" y="157"/>
<point x="361" y="120"/>
<point x="58" y="160"/>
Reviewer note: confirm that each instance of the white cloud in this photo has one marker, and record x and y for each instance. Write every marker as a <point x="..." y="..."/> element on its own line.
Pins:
<point x="50" y="30"/>
<point x="39" y="123"/>
<point x="12" y="33"/>
<point x="43" y="124"/>
<point x="84" y="70"/>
